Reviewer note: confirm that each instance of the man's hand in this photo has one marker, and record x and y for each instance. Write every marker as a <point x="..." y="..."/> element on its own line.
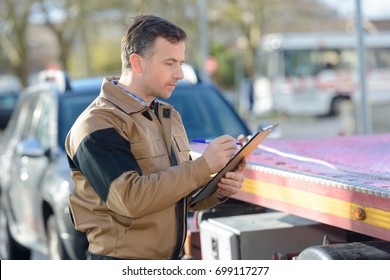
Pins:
<point x="219" y="152"/>
<point x="231" y="183"/>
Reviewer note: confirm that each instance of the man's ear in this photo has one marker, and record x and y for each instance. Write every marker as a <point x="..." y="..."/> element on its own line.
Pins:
<point x="137" y="62"/>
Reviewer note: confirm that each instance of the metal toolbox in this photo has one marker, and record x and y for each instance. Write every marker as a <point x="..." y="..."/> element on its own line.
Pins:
<point x="263" y="236"/>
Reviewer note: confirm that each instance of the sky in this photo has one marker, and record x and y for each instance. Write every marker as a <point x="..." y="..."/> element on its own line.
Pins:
<point x="371" y="9"/>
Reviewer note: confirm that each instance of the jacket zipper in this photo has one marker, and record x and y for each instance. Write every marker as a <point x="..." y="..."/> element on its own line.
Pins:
<point x="181" y="207"/>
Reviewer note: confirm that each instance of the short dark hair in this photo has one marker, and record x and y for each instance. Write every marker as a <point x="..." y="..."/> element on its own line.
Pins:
<point x="141" y="34"/>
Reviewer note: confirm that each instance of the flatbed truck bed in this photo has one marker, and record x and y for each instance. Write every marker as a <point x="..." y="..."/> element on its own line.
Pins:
<point x="341" y="181"/>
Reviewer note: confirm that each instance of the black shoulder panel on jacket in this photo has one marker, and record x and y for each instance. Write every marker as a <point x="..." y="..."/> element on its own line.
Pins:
<point x="102" y="157"/>
<point x="71" y="164"/>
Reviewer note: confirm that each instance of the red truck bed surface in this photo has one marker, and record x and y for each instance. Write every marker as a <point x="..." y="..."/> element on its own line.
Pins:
<point x="340" y="181"/>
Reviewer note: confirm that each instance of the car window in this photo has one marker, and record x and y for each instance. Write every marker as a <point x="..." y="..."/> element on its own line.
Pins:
<point x="43" y="116"/>
<point x="205" y="113"/>
<point x="19" y="126"/>
<point x="15" y="126"/>
<point x="73" y="103"/>
<point x="70" y="108"/>
<point x="32" y="121"/>
<point x="7" y="102"/>
<point x="23" y="121"/>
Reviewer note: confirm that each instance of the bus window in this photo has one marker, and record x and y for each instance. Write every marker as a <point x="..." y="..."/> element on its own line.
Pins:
<point x="378" y="58"/>
<point x="308" y="73"/>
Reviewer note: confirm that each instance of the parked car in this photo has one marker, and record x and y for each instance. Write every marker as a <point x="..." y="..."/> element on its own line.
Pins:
<point x="35" y="177"/>
<point x="10" y="88"/>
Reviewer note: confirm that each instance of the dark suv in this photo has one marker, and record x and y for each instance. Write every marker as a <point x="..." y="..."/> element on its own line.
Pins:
<point x="35" y="177"/>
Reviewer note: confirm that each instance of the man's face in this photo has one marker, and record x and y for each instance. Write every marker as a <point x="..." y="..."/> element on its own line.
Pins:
<point x="162" y="69"/>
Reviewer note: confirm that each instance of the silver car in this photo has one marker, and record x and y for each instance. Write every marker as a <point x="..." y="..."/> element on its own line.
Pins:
<point x="34" y="174"/>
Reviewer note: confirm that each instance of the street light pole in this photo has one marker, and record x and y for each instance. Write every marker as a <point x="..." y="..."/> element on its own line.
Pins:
<point x="203" y="35"/>
<point x="364" y="118"/>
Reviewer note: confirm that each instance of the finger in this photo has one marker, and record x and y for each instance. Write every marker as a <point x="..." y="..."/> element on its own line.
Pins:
<point x="228" y="190"/>
<point x="241" y="166"/>
<point x="224" y="138"/>
<point x="235" y="176"/>
<point x="231" y="185"/>
<point x="242" y="138"/>
<point x="226" y="141"/>
<point x="230" y="146"/>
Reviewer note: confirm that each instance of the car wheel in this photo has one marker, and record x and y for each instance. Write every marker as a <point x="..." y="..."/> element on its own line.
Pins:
<point x="56" y="249"/>
<point x="9" y="248"/>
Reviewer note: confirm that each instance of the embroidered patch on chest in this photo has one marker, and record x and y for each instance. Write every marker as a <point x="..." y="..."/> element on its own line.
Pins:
<point x="166" y="113"/>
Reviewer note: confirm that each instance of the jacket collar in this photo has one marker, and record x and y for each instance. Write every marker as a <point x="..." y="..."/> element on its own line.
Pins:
<point x="116" y="96"/>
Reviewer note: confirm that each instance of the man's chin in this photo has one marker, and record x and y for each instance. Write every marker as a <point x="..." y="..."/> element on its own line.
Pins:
<point x="167" y="94"/>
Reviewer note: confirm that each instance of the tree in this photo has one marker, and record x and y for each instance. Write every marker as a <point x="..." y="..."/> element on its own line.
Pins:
<point x="242" y="23"/>
<point x="88" y="32"/>
<point x="14" y="23"/>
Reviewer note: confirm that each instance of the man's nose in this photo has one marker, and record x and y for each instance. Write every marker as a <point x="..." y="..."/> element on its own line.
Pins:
<point x="179" y="74"/>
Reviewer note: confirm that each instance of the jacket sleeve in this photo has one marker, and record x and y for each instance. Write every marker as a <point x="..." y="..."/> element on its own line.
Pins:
<point x="104" y="157"/>
<point x="209" y="202"/>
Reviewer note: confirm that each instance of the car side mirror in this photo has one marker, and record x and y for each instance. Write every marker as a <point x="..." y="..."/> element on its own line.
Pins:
<point x="30" y="148"/>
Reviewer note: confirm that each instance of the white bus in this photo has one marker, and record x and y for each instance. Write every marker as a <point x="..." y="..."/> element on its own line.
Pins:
<point x="309" y="73"/>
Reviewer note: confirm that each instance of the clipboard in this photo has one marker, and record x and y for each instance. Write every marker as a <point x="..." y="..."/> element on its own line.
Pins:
<point x="208" y="189"/>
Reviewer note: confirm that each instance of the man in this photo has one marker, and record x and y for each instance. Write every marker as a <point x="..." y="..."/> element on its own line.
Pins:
<point x="129" y="154"/>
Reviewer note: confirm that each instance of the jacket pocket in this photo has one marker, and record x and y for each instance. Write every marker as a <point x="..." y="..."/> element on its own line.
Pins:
<point x="183" y="147"/>
<point x="150" y="154"/>
<point x="147" y="148"/>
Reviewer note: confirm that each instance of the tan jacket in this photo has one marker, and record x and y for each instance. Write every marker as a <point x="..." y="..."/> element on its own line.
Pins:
<point x="128" y="198"/>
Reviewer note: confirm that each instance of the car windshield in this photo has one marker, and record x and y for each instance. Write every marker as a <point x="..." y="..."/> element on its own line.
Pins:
<point x="205" y="113"/>
<point x="72" y="104"/>
<point x="69" y="110"/>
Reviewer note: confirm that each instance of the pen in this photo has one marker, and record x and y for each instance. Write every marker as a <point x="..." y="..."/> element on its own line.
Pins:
<point x="207" y="141"/>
